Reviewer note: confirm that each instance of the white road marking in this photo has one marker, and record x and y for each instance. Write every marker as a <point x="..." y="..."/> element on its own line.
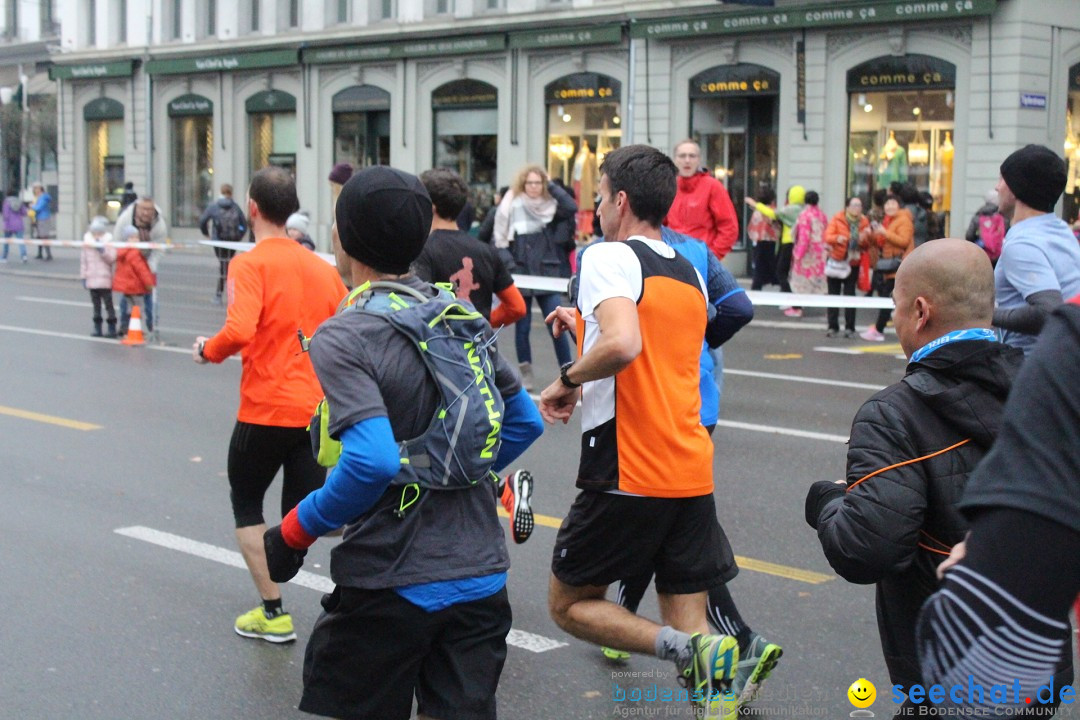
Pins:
<point x="783" y="431"/>
<point x="55" y="301"/>
<point x="517" y="638"/>
<point x="87" y="338"/>
<point x="809" y="380"/>
<point x="838" y="350"/>
<point x="852" y="351"/>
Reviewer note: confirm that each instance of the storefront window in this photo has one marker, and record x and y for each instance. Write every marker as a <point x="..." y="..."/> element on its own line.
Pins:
<point x="273" y="128"/>
<point x="734" y="116"/>
<point x="901" y="127"/>
<point x="362" y="126"/>
<point x="466" y="136"/>
<point x="584" y="123"/>
<point x="1071" y="205"/>
<point x="192" y="120"/>
<point x="105" y="156"/>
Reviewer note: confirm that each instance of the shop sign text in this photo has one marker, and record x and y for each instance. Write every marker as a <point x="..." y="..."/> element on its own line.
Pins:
<point x="821" y="15"/>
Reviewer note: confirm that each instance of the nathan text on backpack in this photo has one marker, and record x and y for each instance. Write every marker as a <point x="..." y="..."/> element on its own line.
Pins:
<point x="229" y="224"/>
<point x="463" y="438"/>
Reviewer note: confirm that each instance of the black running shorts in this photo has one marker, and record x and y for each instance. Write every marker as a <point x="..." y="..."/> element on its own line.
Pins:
<point x="256" y="453"/>
<point x="608" y="537"/>
<point x="372" y="650"/>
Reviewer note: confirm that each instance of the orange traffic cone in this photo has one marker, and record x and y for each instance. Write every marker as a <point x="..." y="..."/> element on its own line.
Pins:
<point x="134" y="334"/>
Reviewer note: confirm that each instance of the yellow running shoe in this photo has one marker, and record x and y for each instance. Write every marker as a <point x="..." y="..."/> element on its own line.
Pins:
<point x="708" y="673"/>
<point x="255" y="624"/>
<point x="615" y="655"/>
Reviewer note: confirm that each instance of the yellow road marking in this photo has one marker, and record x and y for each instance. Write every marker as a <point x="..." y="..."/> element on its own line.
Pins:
<point x="787" y="356"/>
<point x="50" y="419"/>
<point x="745" y="563"/>
<point x="889" y="348"/>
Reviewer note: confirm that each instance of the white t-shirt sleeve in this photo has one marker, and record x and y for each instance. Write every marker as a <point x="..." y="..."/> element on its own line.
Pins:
<point x="608" y="269"/>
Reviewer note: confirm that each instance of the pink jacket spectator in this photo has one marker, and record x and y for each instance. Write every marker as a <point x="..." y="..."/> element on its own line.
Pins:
<point x="96" y="264"/>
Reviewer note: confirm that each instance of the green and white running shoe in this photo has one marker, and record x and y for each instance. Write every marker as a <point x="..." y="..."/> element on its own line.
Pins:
<point x="754" y="668"/>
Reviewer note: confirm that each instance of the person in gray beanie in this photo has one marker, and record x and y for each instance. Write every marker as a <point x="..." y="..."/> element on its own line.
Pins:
<point x="296" y="227"/>
<point x="420" y="610"/>
<point x="1040" y="261"/>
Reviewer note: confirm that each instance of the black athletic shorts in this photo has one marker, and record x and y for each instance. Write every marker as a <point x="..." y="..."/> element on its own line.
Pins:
<point x="608" y="537"/>
<point x="256" y="453"/>
<point x="372" y="650"/>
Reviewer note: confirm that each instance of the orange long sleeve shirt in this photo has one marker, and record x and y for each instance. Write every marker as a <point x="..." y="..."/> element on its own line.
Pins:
<point x="275" y="289"/>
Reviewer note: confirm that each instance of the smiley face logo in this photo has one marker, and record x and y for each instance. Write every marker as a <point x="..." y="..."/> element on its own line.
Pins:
<point x="862" y="693"/>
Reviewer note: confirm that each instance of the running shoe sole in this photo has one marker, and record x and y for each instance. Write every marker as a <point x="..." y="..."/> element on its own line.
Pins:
<point x="521" y="517"/>
<point x="765" y="665"/>
<point x="264" y="636"/>
<point x="616" y="655"/>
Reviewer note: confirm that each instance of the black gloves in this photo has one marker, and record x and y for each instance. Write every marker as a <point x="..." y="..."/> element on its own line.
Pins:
<point x="818" y="496"/>
<point x="282" y="561"/>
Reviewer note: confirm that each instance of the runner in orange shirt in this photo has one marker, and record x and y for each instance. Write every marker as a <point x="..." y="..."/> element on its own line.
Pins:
<point x="274" y="290"/>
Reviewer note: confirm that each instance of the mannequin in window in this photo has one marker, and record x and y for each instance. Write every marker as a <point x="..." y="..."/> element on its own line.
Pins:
<point x="945" y="155"/>
<point x="584" y="178"/>
<point x="892" y="162"/>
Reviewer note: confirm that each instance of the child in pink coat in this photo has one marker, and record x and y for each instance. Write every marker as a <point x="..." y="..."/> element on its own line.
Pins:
<point x="96" y="271"/>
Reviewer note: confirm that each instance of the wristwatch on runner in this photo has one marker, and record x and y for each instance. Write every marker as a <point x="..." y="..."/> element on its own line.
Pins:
<point x="566" y="381"/>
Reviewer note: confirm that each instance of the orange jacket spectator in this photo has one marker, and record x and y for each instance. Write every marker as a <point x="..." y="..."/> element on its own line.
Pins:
<point x="133" y="276"/>
<point x="838" y="234"/>
<point x="896" y="236"/>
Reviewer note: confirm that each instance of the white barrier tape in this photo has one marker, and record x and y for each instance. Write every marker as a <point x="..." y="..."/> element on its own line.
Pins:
<point x="778" y="299"/>
<point x="560" y="285"/>
<point x="757" y="297"/>
<point x="82" y="244"/>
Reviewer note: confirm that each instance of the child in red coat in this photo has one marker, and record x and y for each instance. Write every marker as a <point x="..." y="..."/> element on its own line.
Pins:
<point x="133" y="277"/>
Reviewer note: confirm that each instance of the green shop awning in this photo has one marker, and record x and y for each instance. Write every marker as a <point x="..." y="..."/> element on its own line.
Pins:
<point x="821" y="15"/>
<point x="568" y="37"/>
<point x="430" y="47"/>
<point x="224" y="62"/>
<point x="190" y="105"/>
<point x="91" y="71"/>
<point x="270" y="101"/>
<point x="103" y="109"/>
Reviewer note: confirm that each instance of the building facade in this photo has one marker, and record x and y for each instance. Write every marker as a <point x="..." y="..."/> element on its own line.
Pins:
<point x="841" y="97"/>
<point x="29" y="36"/>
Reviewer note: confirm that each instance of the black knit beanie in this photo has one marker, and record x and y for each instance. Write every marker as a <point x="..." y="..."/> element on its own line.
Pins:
<point x="1036" y="175"/>
<point x="383" y="218"/>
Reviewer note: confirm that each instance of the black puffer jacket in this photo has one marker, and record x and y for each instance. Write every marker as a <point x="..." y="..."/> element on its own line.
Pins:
<point x="894" y="527"/>
<point x="547" y="252"/>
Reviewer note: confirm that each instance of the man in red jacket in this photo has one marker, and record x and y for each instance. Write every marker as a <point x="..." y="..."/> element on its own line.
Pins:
<point x="702" y="207"/>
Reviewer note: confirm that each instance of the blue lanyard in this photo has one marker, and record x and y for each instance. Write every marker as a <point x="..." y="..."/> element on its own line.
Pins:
<point x="969" y="334"/>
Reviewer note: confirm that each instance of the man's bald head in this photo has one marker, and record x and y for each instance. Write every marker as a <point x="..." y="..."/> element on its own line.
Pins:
<point x="943" y="285"/>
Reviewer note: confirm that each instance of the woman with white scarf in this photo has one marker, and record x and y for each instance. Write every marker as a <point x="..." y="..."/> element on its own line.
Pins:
<point x="534" y="225"/>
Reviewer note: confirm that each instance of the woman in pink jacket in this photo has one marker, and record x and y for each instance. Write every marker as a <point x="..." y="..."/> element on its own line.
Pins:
<point x="96" y="271"/>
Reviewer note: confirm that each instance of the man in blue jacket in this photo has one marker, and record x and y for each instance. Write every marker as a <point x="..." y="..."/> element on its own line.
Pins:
<point x="43" y="219"/>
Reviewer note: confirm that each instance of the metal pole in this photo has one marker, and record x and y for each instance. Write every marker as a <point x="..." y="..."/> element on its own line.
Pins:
<point x="23" y="149"/>
<point x="148" y="144"/>
<point x="631" y="84"/>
